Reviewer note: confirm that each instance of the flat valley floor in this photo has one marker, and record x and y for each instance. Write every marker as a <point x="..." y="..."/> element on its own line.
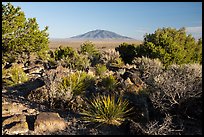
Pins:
<point x="100" y="44"/>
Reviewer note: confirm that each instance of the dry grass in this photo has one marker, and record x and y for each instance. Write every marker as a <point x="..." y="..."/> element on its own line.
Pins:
<point x="100" y="44"/>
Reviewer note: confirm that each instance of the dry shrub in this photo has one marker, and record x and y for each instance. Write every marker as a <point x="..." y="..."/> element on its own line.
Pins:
<point x="154" y="127"/>
<point x="176" y="85"/>
<point x="165" y="128"/>
<point x="52" y="80"/>
<point x="111" y="57"/>
<point x="149" y="68"/>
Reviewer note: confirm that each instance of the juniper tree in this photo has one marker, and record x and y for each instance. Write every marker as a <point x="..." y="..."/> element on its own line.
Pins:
<point x="173" y="46"/>
<point x="20" y="36"/>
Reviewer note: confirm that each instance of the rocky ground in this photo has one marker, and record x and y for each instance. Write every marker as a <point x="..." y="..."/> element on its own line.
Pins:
<point x="20" y="116"/>
<point x="23" y="116"/>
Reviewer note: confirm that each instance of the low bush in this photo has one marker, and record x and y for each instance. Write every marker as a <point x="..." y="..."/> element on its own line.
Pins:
<point x="127" y="52"/>
<point x="88" y="48"/>
<point x="100" y="69"/>
<point x="14" y="75"/>
<point x="175" y="85"/>
<point x="52" y="80"/>
<point x="76" y="83"/>
<point x="71" y="59"/>
<point x="64" y="52"/>
<point x="109" y="83"/>
<point x="111" y="58"/>
<point x="149" y="68"/>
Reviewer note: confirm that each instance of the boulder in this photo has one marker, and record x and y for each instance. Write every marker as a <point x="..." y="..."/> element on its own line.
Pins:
<point x="19" y="128"/>
<point x="15" y="125"/>
<point x="15" y="118"/>
<point x="9" y="109"/>
<point x="49" y="121"/>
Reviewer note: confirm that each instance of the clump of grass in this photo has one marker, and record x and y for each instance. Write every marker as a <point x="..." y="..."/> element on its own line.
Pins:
<point x="14" y="75"/>
<point x="76" y="82"/>
<point x="109" y="83"/>
<point x="106" y="110"/>
<point x="100" y="69"/>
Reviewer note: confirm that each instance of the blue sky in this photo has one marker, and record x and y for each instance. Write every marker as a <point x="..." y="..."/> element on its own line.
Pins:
<point x="133" y="19"/>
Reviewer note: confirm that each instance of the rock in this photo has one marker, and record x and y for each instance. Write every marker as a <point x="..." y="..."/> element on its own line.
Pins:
<point x="132" y="81"/>
<point x="9" y="109"/>
<point x="91" y="71"/>
<point x="18" y="128"/>
<point x="15" y="118"/>
<point x="49" y="121"/>
<point x="76" y="103"/>
<point x="31" y="112"/>
<point x="15" y="125"/>
<point x="36" y="70"/>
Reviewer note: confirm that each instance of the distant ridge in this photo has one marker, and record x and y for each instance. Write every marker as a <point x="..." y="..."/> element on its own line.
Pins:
<point x="100" y="34"/>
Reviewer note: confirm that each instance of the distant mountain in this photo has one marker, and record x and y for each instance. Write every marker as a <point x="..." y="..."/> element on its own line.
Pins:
<point x="100" y="34"/>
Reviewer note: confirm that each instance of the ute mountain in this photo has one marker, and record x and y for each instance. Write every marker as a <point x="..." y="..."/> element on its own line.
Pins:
<point x="101" y="34"/>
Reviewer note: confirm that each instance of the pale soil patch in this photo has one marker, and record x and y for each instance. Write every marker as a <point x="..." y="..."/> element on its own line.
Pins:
<point x="100" y="44"/>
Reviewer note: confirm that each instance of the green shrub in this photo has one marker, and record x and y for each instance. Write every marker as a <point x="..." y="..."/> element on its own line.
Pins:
<point x="76" y="82"/>
<point x="14" y="75"/>
<point x="169" y="45"/>
<point x="172" y="46"/>
<point x="100" y="69"/>
<point x="127" y="52"/>
<point x="71" y="58"/>
<point x="64" y="52"/>
<point x="106" y="110"/>
<point x="44" y="55"/>
<point x="20" y="35"/>
<point x="81" y="62"/>
<point x="109" y="83"/>
<point x="89" y="49"/>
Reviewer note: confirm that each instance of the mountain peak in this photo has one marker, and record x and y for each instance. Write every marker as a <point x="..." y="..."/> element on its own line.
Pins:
<point x="100" y="34"/>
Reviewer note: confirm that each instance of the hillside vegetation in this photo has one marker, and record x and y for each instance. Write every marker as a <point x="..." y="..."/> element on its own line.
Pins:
<point x="154" y="88"/>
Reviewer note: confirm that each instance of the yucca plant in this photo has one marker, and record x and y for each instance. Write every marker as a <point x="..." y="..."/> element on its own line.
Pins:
<point x="106" y="110"/>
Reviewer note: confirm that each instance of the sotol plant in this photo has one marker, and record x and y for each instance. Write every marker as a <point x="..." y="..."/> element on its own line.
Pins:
<point x="106" y="110"/>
